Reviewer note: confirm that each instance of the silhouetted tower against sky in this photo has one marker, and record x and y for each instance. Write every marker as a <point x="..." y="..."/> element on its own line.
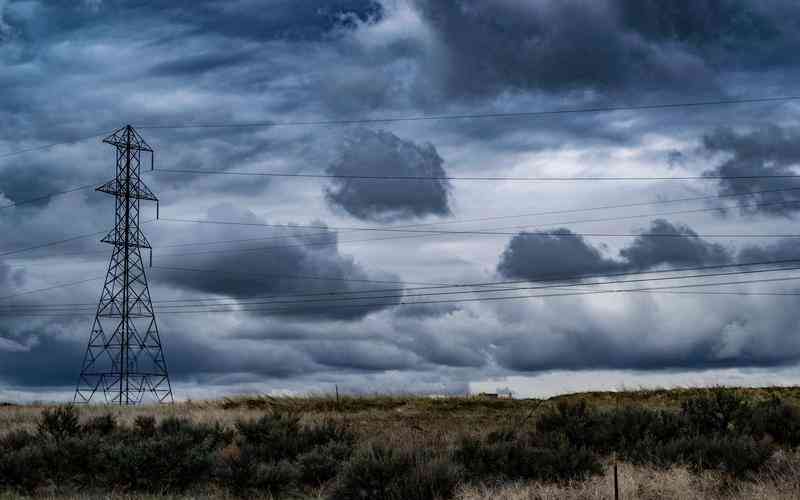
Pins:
<point x="124" y="359"/>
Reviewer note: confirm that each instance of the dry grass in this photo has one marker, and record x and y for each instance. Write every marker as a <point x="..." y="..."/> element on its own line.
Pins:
<point x="377" y="417"/>
<point x="642" y="483"/>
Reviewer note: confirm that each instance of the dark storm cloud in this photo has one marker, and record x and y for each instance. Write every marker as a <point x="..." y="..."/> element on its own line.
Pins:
<point x="276" y="265"/>
<point x="487" y="48"/>
<point x="363" y="355"/>
<point x="675" y="245"/>
<point x="381" y="153"/>
<point x="783" y="249"/>
<point x="529" y="255"/>
<point x="198" y="64"/>
<point x="40" y="359"/>
<point x="297" y="20"/>
<point x="733" y="24"/>
<point x="427" y="311"/>
<point x="769" y="151"/>
<point x="561" y="252"/>
<point x="600" y="348"/>
<point x="65" y="73"/>
<point x="10" y="278"/>
<point x="45" y="356"/>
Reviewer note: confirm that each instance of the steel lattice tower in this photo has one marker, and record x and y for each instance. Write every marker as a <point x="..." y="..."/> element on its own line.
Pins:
<point x="124" y="358"/>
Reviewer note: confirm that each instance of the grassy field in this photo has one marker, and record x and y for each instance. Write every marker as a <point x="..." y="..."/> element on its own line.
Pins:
<point x="680" y="443"/>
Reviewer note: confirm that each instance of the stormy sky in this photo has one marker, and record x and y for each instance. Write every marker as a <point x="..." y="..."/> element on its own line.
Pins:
<point x="182" y="72"/>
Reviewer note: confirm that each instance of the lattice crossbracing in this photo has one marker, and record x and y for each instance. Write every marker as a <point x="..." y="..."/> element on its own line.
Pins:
<point x="124" y="359"/>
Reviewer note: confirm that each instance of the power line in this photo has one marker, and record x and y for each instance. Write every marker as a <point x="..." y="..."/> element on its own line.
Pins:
<point x="47" y="196"/>
<point x="444" y="301"/>
<point x="542" y="277"/>
<point x="59" y="242"/>
<point x="469" y="116"/>
<point x="482" y="233"/>
<point x="337" y="242"/>
<point x="552" y="212"/>
<point x="51" y="243"/>
<point x="510" y="216"/>
<point x="52" y="287"/>
<point x="740" y="294"/>
<point x="511" y="289"/>
<point x="562" y="281"/>
<point x="453" y="178"/>
<point x="396" y="229"/>
<point x="52" y="145"/>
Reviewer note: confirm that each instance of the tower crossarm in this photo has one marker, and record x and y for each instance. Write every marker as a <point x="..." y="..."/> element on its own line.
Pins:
<point x="137" y="190"/>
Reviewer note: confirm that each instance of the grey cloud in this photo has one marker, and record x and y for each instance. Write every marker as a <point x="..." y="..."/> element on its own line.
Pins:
<point x="596" y="347"/>
<point x="274" y="266"/>
<point x="783" y="249"/>
<point x="491" y="47"/>
<point x="10" y="278"/>
<point x="700" y="23"/>
<point x="361" y="355"/>
<point x="427" y="311"/>
<point x="561" y="252"/>
<point x="680" y="246"/>
<point x="381" y="153"/>
<point x="211" y="61"/>
<point x="769" y="151"/>
<point x="531" y="255"/>
<point x="249" y="19"/>
<point x="199" y="64"/>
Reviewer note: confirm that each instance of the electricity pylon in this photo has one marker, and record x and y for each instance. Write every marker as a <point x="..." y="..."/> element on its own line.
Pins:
<point x="124" y="358"/>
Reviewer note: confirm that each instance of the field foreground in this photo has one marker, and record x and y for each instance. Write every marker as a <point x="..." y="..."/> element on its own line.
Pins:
<point x="682" y="443"/>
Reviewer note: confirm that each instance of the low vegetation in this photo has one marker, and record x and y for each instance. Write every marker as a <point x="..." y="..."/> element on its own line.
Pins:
<point x="433" y="450"/>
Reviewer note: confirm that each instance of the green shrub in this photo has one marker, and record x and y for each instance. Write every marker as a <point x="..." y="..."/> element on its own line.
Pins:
<point x="275" y="478"/>
<point x="245" y="476"/>
<point x="273" y="437"/>
<point x="23" y="469"/>
<point x="550" y="458"/>
<point x="169" y="463"/>
<point x="236" y="472"/>
<point x="620" y="430"/>
<point x="737" y="456"/>
<point x="102" y="425"/>
<point x="145" y="425"/>
<point x="323" y="463"/>
<point x="379" y="473"/>
<point x="719" y="411"/>
<point x="16" y="440"/>
<point x="778" y="420"/>
<point x="59" y="423"/>
<point x="328" y="431"/>
<point x="280" y="436"/>
<point x="430" y="478"/>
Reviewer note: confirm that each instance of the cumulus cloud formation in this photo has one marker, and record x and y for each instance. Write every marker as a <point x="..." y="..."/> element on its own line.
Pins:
<point x="770" y="151"/>
<point x="533" y="256"/>
<point x="291" y="259"/>
<point x="383" y="154"/>
<point x="490" y="47"/>
<point x="5" y="29"/>
<point x="217" y="63"/>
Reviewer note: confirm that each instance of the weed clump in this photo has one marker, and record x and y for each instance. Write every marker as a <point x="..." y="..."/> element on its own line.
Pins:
<point x="717" y="430"/>
<point x="380" y="473"/>
<point x="526" y="457"/>
<point x="59" y="423"/>
<point x="277" y="453"/>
